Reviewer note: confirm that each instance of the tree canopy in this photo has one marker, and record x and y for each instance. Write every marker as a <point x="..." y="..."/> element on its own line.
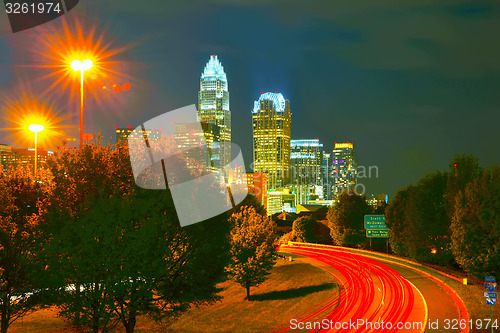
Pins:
<point x="252" y="253"/>
<point x="475" y="227"/>
<point x="22" y="198"/>
<point x="121" y="246"/>
<point x="346" y="219"/>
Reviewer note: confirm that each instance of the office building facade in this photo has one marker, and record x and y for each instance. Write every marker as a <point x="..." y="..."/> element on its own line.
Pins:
<point x="344" y="167"/>
<point x="271" y="120"/>
<point x="306" y="158"/>
<point x="213" y="104"/>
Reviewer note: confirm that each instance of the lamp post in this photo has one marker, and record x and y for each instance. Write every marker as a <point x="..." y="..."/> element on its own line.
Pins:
<point x="35" y="128"/>
<point x="81" y="66"/>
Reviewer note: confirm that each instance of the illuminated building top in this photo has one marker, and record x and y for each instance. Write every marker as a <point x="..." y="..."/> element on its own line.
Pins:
<point x="277" y="98"/>
<point x="344" y="145"/>
<point x="214" y="71"/>
<point x="271" y="120"/>
<point x="306" y="143"/>
<point x="213" y="104"/>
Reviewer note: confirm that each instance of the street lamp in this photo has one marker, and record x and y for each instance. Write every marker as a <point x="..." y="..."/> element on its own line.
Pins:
<point x="35" y="128"/>
<point x="81" y="66"/>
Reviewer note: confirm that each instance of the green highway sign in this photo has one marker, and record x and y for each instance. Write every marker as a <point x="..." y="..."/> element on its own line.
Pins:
<point x="377" y="233"/>
<point x="375" y="222"/>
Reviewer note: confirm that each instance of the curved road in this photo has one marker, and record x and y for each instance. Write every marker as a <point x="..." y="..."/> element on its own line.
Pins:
<point x="373" y="296"/>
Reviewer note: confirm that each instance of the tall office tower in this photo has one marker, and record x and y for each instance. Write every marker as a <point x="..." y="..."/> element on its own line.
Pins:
<point x="5" y="156"/>
<point x="327" y="176"/>
<point x="345" y="172"/>
<point x="306" y="158"/>
<point x="213" y="104"/>
<point x="201" y="146"/>
<point x="271" y="119"/>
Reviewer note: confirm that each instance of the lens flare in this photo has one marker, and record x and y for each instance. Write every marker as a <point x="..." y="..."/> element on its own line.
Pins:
<point x="64" y="49"/>
<point x="36" y="128"/>
<point x="27" y="114"/>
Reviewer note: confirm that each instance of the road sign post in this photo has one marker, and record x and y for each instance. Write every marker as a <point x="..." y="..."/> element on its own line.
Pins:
<point x="375" y="222"/>
<point x="377" y="233"/>
<point x="375" y="227"/>
<point x="491" y="297"/>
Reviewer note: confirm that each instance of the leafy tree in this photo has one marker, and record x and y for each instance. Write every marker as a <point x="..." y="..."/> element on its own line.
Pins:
<point x="396" y="216"/>
<point x="251" y="200"/>
<point x="475" y="227"/>
<point x="347" y="219"/>
<point x="123" y="245"/>
<point x="303" y="229"/>
<point x="431" y="223"/>
<point x="83" y="176"/>
<point x="252" y="253"/>
<point x="22" y="198"/>
<point x="463" y="170"/>
<point x="418" y="222"/>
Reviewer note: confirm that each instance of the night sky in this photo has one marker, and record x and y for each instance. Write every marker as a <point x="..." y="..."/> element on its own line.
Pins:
<point x="411" y="83"/>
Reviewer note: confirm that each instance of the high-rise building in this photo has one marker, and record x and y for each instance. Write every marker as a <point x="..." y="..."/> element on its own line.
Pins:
<point x="271" y="119"/>
<point x="327" y="176"/>
<point x="213" y="104"/>
<point x="26" y="156"/>
<point x="5" y="156"/>
<point x="345" y="174"/>
<point x="257" y="185"/>
<point x="122" y="134"/>
<point x="306" y="158"/>
<point x="201" y="146"/>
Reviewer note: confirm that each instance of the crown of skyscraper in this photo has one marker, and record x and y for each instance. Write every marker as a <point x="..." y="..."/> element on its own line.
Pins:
<point x="277" y="99"/>
<point x="213" y="70"/>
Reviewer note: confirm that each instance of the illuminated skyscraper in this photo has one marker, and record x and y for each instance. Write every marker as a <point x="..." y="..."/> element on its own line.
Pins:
<point x="327" y="176"/>
<point x="271" y="119"/>
<point x="213" y="104"/>
<point x="203" y="145"/>
<point x="306" y="159"/>
<point x="345" y="174"/>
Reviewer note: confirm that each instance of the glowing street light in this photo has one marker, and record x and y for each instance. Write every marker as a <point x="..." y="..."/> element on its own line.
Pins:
<point x="35" y="128"/>
<point x="81" y="66"/>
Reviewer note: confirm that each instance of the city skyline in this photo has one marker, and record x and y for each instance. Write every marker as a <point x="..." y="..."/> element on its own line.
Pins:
<point x="410" y="99"/>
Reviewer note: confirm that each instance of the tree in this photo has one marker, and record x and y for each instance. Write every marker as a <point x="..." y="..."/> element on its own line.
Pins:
<point x="252" y="253"/>
<point x="475" y="226"/>
<point x="123" y="246"/>
<point x="346" y="219"/>
<point x="22" y="198"/>
<point x="417" y="220"/>
<point x="463" y="170"/>
<point x="396" y="216"/>
<point x="251" y="200"/>
<point x="431" y="236"/>
<point x="303" y="229"/>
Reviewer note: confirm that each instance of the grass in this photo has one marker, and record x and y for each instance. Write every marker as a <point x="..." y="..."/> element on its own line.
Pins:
<point x="292" y="289"/>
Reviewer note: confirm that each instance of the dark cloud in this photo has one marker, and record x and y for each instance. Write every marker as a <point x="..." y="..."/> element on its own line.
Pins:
<point x="411" y="83"/>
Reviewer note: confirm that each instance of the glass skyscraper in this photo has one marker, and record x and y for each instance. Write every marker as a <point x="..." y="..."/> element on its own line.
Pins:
<point x="271" y="120"/>
<point x="213" y="104"/>
<point x="306" y="157"/>
<point x="345" y="172"/>
<point x="327" y="176"/>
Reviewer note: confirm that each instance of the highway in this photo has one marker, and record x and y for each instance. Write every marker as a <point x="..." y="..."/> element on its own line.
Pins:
<point x="373" y="296"/>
